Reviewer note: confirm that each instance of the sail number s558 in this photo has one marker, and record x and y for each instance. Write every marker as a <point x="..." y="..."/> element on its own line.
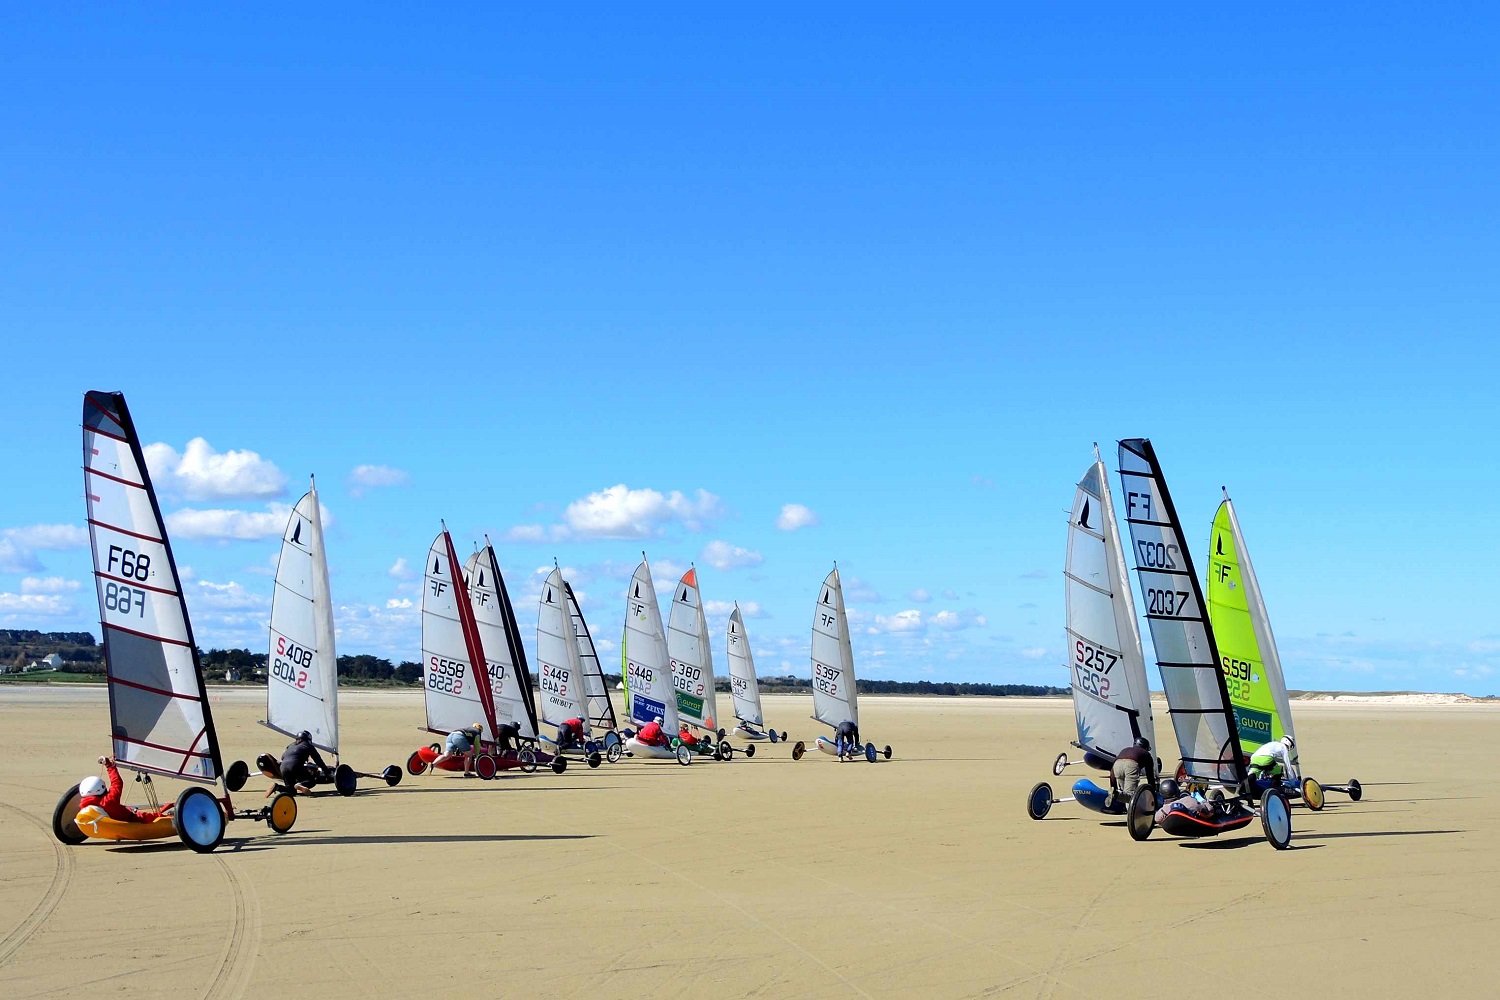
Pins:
<point x="446" y="675"/>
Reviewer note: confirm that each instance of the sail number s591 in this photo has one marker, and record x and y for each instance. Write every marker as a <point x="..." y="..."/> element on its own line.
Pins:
<point x="1237" y="677"/>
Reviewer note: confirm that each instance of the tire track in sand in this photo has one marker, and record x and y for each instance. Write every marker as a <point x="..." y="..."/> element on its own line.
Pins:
<point x="231" y="976"/>
<point x="62" y="874"/>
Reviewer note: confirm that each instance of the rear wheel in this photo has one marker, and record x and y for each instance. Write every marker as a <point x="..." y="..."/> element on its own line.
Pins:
<point x="1312" y="794"/>
<point x="1142" y="816"/>
<point x="684" y="755"/>
<point x="527" y="758"/>
<point x="414" y="763"/>
<point x="282" y="814"/>
<point x="773" y="735"/>
<point x="200" y="821"/>
<point x="236" y="776"/>
<point x="611" y="739"/>
<point x="1060" y="764"/>
<point x="345" y="780"/>
<point x="750" y="750"/>
<point x="594" y="760"/>
<point x="870" y="753"/>
<point x="1276" y="818"/>
<point x="886" y="753"/>
<point x="486" y="766"/>
<point x="726" y="752"/>
<point x="392" y="775"/>
<point x="559" y="764"/>
<point x="63" y="826"/>
<point x="1039" y="802"/>
<point x="1355" y="791"/>
<point x="798" y="750"/>
<point x="613" y="751"/>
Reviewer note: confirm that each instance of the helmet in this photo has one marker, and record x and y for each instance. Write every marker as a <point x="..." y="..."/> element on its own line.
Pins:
<point x="92" y="785"/>
<point x="1168" y="789"/>
<point x="304" y="737"/>
<point x="478" y="727"/>
<point x="1288" y="742"/>
<point x="1143" y="743"/>
<point x="657" y="720"/>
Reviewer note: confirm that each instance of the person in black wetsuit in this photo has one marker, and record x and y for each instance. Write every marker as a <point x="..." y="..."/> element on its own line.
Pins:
<point x="301" y="764"/>
<point x="846" y="739"/>
<point x="508" y="737"/>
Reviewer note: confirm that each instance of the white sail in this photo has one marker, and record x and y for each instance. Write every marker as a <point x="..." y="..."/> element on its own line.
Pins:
<point x="600" y="707"/>
<point x="648" y="677"/>
<point x="455" y="696"/>
<point x="835" y="697"/>
<point x="1197" y="699"/>
<point x="1104" y="642"/>
<point x="487" y="595"/>
<point x="559" y="671"/>
<point x="744" y="690"/>
<point x="159" y="715"/>
<point x="302" y="686"/>
<point x="690" y="657"/>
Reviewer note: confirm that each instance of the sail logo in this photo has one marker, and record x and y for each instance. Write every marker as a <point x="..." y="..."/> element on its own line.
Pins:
<point x="646" y="709"/>
<point x="689" y="705"/>
<point x="1254" y="727"/>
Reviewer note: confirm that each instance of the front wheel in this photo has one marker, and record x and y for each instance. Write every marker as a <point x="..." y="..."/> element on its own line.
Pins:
<point x="798" y="750"/>
<point x="200" y="822"/>
<point x="236" y="776"/>
<point x="414" y="764"/>
<point x="345" y="781"/>
<point x="527" y="758"/>
<point x="1276" y="818"/>
<point x="282" y="814"/>
<point x="1355" y="791"/>
<point x="684" y="755"/>
<point x="486" y="766"/>
<point x="613" y="751"/>
<point x="1060" y="764"/>
<point x="1142" y="817"/>
<point x="559" y="764"/>
<point x="1039" y="802"/>
<point x="63" y="826"/>
<point x="1312" y="794"/>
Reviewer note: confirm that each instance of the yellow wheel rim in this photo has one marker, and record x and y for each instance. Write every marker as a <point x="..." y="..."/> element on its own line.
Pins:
<point x="284" y="813"/>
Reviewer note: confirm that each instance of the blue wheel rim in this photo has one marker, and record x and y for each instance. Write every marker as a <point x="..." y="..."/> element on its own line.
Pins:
<point x="200" y="818"/>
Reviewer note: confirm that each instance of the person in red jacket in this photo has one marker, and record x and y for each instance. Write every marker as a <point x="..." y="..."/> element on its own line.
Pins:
<point x="651" y="734"/>
<point x="687" y="737"/>
<point x="94" y="792"/>
<point x="569" y="734"/>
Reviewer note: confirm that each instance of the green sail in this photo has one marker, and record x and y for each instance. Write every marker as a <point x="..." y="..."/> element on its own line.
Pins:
<point x="1247" y="649"/>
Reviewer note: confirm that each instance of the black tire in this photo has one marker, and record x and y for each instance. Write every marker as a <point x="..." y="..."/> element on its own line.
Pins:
<point x="486" y="766"/>
<point x="1141" y="819"/>
<point x="594" y="760"/>
<point x="721" y="734"/>
<point x="63" y="827"/>
<point x="726" y="752"/>
<point x="1276" y="818"/>
<point x="684" y="755"/>
<point x="414" y="764"/>
<point x="559" y="764"/>
<point x="345" y="781"/>
<point x="236" y="776"/>
<point x="1060" y="764"/>
<point x="527" y="758"/>
<point x="773" y="735"/>
<point x="871" y="754"/>
<point x="750" y="750"/>
<point x="199" y="819"/>
<point x="798" y="749"/>
<point x="392" y="775"/>
<point x="886" y="753"/>
<point x="1355" y="791"/>
<point x="1039" y="801"/>
<point x="614" y="751"/>
<point x="281" y="814"/>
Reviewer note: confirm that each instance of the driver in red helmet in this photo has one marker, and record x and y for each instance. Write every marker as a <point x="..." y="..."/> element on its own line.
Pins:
<point x="94" y="792"/>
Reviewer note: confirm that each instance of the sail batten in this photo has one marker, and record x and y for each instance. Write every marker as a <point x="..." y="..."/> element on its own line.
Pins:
<point x="599" y="705"/>
<point x="505" y="662"/>
<point x="302" y="666"/>
<point x="160" y="720"/>
<point x="690" y="657"/>
<point x="1182" y="638"/>
<point x="650" y="692"/>
<point x="454" y="678"/>
<point x="559" y="670"/>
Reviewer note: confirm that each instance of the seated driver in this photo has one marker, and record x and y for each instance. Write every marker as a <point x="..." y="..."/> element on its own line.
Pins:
<point x="301" y="765"/>
<point x="686" y="736"/>
<point x="461" y="743"/>
<point x="1274" y="763"/>
<point x="651" y="734"/>
<point x="94" y="792"/>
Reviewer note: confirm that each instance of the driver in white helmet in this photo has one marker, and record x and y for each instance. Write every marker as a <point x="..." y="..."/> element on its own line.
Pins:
<point x="93" y="791"/>
<point x="1275" y="763"/>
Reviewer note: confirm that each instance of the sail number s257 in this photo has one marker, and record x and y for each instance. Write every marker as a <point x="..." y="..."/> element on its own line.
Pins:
<point x="1091" y="665"/>
<point x="446" y="675"/>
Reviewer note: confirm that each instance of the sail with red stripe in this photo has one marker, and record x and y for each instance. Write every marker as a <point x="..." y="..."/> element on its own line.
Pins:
<point x="454" y="677"/>
<point x="159" y="715"/>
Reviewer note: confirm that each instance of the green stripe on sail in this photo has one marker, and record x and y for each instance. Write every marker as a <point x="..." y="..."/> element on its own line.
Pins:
<point x="1234" y="630"/>
<point x="624" y="673"/>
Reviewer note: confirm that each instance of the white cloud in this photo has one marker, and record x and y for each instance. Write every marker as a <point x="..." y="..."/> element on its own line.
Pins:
<point x="1034" y="652"/>
<point x="536" y="533"/>
<point x="401" y="602"/>
<point x="19" y="546"/>
<point x="48" y="585"/>
<point x="721" y="609"/>
<point x="363" y="478"/>
<point x="401" y="570"/>
<point x="18" y="608"/>
<point x="200" y="473"/>
<point x="605" y="645"/>
<point x="228" y="525"/>
<point x="794" y="516"/>
<point x="723" y="556"/>
<point x="621" y="512"/>
<point x="856" y="589"/>
<point x="901" y="621"/>
<point x="230" y="596"/>
<point x="920" y="596"/>
<point x="952" y="621"/>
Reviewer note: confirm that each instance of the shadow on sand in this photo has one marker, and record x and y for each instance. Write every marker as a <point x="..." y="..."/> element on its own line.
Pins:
<point x="242" y="845"/>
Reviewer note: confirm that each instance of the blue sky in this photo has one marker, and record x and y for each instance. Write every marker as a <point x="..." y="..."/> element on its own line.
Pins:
<point x="901" y="269"/>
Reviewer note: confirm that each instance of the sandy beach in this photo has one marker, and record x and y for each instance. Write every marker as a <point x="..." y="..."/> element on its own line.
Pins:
<point x="917" y="877"/>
